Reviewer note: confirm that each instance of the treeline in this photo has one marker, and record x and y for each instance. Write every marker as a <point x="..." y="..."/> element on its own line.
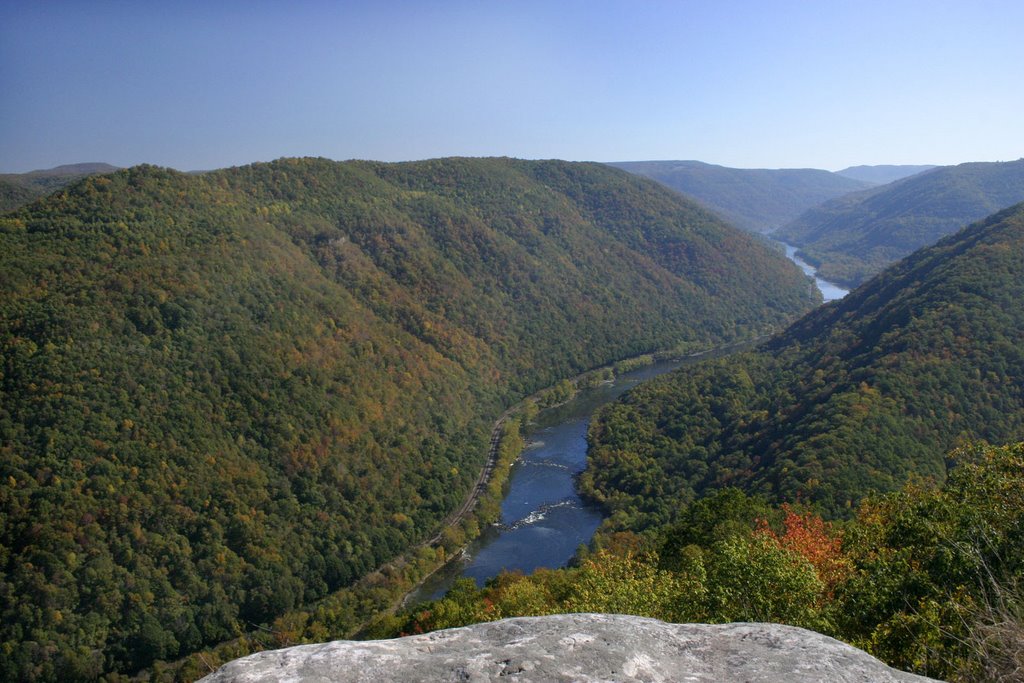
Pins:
<point x="224" y="397"/>
<point x="928" y="579"/>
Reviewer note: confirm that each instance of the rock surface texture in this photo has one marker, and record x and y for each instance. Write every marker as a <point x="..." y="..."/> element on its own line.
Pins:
<point x="574" y="647"/>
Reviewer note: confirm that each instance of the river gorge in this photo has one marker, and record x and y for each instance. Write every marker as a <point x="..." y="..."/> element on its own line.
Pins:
<point x="543" y="518"/>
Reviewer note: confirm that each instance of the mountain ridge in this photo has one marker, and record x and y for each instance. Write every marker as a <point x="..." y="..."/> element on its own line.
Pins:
<point x="853" y="237"/>
<point x="758" y="200"/>
<point x="882" y="174"/>
<point x="18" y="189"/>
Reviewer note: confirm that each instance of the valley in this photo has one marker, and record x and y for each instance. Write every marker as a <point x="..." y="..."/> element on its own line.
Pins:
<point x="758" y="200"/>
<point x="543" y="519"/>
<point x="232" y="395"/>
<point x="858" y="396"/>
<point x="754" y="487"/>
<point x="578" y="325"/>
<point x="853" y="237"/>
<point x="829" y="291"/>
<point x="280" y="381"/>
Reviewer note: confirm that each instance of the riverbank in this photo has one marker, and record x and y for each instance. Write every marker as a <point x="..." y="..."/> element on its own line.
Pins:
<point x="482" y="506"/>
<point x="543" y="519"/>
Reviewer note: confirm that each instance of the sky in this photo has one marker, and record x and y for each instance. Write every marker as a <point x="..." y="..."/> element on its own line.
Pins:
<point x="743" y="83"/>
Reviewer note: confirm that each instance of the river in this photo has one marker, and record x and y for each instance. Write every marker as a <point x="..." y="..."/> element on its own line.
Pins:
<point x="830" y="291"/>
<point x="543" y="518"/>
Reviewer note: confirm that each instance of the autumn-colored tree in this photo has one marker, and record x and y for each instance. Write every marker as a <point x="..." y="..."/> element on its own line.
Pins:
<point x="814" y="539"/>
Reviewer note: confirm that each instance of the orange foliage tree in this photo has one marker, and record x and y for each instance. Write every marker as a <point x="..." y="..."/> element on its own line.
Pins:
<point x="816" y="540"/>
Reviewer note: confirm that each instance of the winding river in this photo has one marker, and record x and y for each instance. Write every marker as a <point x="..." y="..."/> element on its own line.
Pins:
<point x="829" y="291"/>
<point x="543" y="518"/>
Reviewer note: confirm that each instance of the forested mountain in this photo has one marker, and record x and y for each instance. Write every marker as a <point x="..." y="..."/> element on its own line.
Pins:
<point x="883" y="173"/>
<point x="18" y="189"/>
<point x="759" y="200"/>
<point x="853" y="237"/>
<point x="860" y="395"/>
<point x="223" y="396"/>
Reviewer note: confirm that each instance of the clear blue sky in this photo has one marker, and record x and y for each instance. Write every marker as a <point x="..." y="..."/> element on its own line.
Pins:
<point x="747" y="83"/>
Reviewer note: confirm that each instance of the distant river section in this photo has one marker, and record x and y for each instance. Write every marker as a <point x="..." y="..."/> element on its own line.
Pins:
<point x="829" y="291"/>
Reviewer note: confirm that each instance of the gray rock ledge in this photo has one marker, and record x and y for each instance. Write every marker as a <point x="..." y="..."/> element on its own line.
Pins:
<point x="574" y="647"/>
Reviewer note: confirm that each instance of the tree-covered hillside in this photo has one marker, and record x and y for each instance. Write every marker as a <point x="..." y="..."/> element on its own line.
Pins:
<point x="756" y="199"/>
<point x="854" y="237"/>
<point x="860" y="395"/>
<point x="18" y="189"/>
<point x="223" y="396"/>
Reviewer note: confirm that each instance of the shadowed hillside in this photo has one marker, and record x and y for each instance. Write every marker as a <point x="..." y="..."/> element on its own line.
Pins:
<point x="883" y="173"/>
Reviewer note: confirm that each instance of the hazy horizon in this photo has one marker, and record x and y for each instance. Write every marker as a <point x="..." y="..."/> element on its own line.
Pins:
<point x="608" y="161"/>
<point x="780" y="84"/>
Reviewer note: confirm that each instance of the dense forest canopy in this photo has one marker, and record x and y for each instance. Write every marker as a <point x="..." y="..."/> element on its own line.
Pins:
<point x="860" y="395"/>
<point x="854" y="237"/>
<point x="756" y="199"/>
<point x="223" y="396"/>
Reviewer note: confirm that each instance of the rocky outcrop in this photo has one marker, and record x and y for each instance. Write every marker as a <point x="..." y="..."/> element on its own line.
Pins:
<point x="574" y="647"/>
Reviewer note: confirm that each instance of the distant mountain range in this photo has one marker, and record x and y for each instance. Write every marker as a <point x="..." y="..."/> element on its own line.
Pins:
<point x="853" y="237"/>
<point x="17" y="189"/>
<point x="759" y="200"/>
<point x="860" y="395"/>
<point x="882" y="174"/>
